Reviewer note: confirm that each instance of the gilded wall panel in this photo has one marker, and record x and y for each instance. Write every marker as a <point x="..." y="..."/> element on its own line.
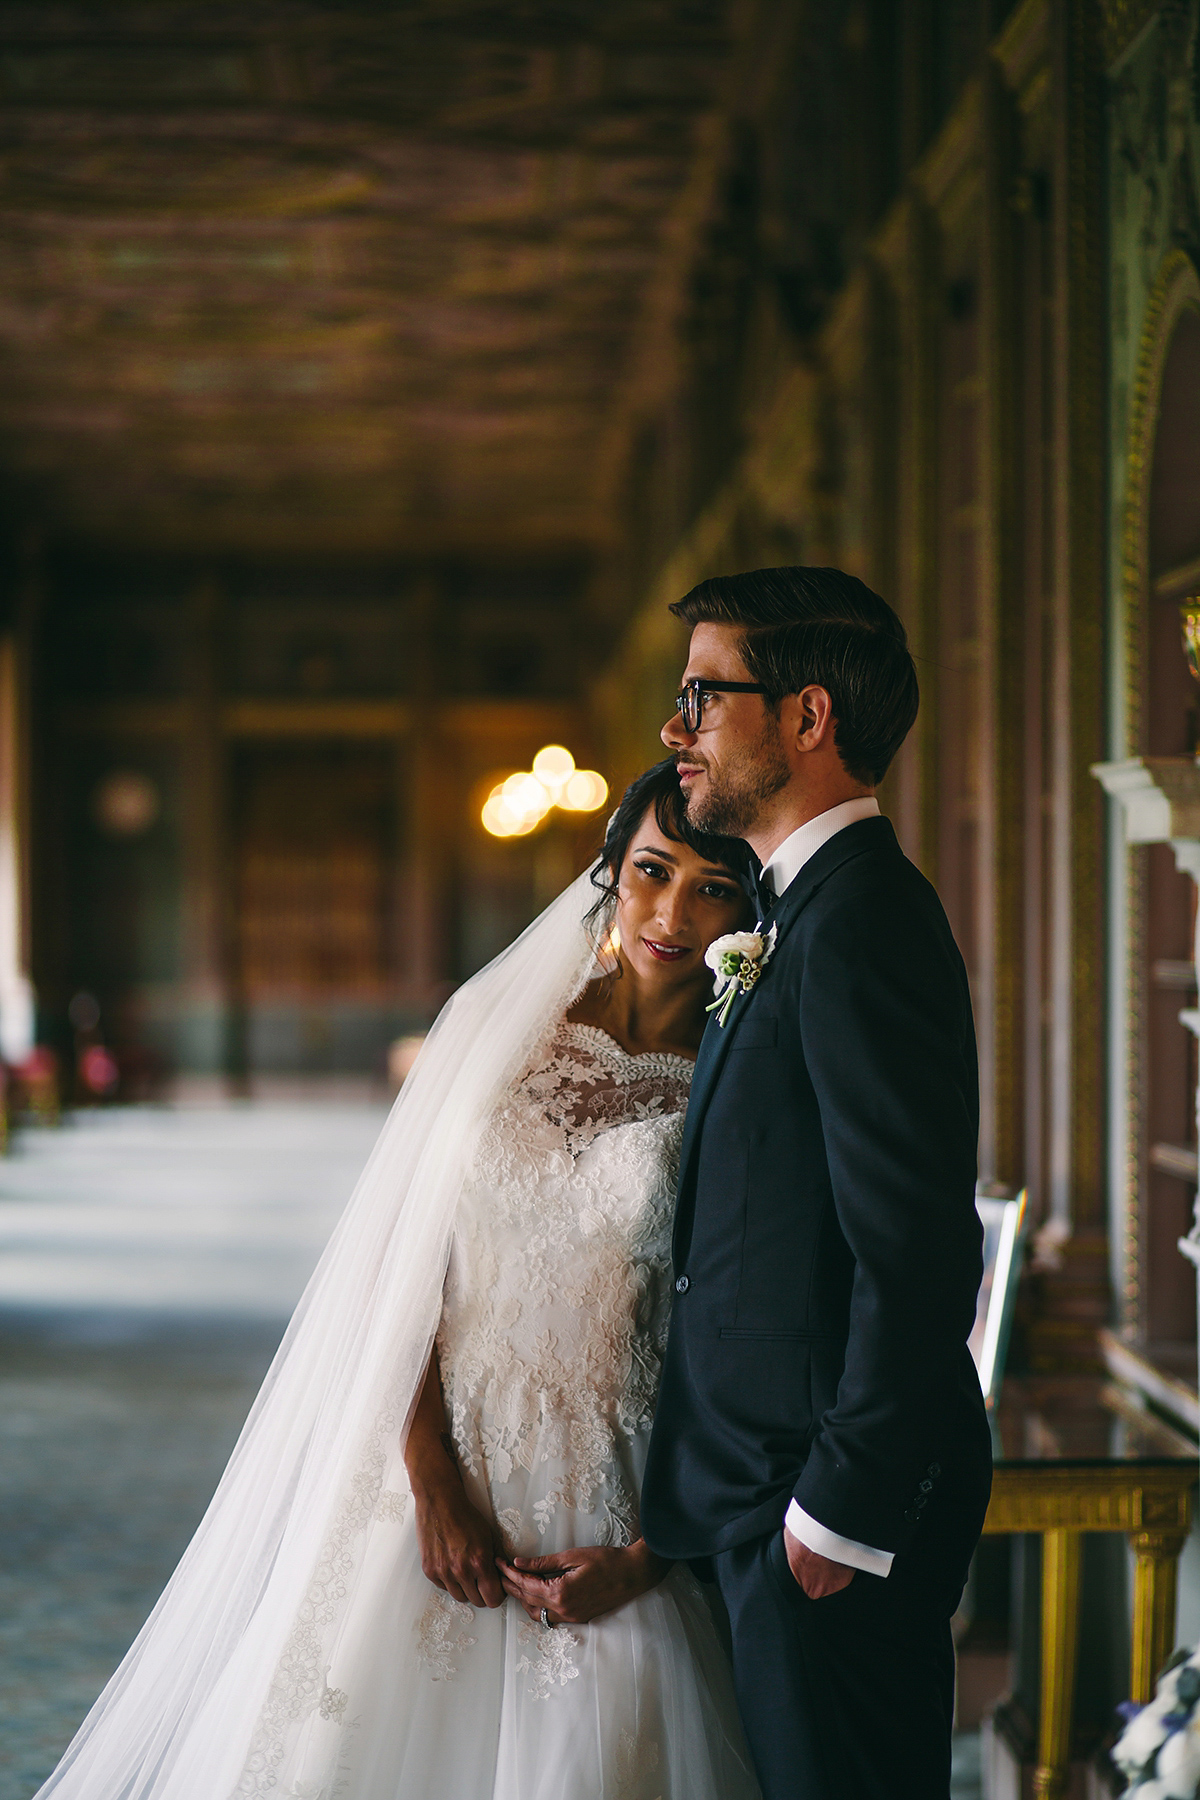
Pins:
<point x="1153" y="158"/>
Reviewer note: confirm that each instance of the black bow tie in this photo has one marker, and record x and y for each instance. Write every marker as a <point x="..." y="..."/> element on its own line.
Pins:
<point x="764" y="893"/>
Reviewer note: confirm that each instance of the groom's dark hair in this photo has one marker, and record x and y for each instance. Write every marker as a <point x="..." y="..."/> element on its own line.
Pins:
<point x="806" y="627"/>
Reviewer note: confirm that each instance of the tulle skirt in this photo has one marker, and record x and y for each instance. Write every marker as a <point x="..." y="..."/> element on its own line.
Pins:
<point x="429" y="1699"/>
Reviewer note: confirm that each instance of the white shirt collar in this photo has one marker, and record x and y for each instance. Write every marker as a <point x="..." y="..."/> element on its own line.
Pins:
<point x="790" y="856"/>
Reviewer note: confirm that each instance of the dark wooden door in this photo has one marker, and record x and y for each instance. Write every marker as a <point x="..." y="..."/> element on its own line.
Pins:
<point x="313" y="897"/>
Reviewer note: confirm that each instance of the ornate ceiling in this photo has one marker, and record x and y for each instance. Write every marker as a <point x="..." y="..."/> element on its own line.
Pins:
<point x="343" y="278"/>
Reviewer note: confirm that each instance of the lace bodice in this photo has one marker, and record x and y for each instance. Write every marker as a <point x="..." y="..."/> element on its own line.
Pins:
<point x="585" y="1083"/>
<point x="556" y="1305"/>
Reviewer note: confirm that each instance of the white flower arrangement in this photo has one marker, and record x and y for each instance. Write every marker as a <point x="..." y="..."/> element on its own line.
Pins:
<point x="737" y="960"/>
<point x="1159" y="1750"/>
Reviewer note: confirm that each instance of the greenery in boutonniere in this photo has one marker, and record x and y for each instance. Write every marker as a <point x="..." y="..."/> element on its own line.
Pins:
<point x="737" y="960"/>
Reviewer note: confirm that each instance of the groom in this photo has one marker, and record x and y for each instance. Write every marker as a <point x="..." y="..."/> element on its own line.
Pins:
<point x="821" y="1441"/>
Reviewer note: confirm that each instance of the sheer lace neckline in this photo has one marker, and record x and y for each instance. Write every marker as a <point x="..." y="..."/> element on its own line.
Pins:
<point x="631" y="1056"/>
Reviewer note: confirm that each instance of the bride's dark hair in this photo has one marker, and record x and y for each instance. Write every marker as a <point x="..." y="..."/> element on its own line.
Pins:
<point x="658" y="788"/>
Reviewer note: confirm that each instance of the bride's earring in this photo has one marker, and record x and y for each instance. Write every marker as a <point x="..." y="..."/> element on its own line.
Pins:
<point x="609" y="942"/>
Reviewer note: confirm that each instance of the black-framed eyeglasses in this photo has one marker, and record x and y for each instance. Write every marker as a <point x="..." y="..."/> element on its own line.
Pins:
<point x="691" y="696"/>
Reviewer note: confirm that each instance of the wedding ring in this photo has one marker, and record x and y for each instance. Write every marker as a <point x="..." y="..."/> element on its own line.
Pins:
<point x="546" y="1619"/>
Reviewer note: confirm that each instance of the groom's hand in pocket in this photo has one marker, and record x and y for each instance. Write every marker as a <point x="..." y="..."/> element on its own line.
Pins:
<point x="817" y="1575"/>
<point x="576" y="1586"/>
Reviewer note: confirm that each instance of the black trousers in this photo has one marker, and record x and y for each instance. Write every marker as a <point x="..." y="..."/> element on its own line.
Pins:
<point x="846" y="1698"/>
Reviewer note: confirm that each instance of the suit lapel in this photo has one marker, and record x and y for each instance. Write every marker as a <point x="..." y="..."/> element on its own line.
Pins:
<point x="715" y="1045"/>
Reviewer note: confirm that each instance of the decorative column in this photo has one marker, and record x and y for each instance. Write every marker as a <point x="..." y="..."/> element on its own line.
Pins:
<point x="1159" y="798"/>
<point x="211" y="1039"/>
<point x="426" y="883"/>
<point x="1155" y="1576"/>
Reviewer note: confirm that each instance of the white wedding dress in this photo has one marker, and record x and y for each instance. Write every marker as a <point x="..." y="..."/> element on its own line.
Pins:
<point x="552" y="1332"/>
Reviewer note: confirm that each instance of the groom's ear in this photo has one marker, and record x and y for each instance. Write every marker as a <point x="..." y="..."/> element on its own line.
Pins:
<point x="807" y="718"/>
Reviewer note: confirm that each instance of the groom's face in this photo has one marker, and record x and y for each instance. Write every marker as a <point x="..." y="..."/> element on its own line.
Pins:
<point x="736" y="762"/>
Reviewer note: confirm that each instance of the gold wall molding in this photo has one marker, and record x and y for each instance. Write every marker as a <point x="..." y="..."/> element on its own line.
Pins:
<point x="1081" y="383"/>
<point x="946" y="171"/>
<point x="890" y="242"/>
<point x="1134" y="1090"/>
<point x="1123" y="21"/>
<point x="1108" y="1498"/>
<point x="1176" y="286"/>
<point x="845" y="337"/>
<point x="1186" y="575"/>
<point x="1022" y="52"/>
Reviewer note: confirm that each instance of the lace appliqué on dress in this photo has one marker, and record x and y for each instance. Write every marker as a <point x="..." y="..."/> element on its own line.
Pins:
<point x="637" y="1767"/>
<point x="439" y="1643"/>
<point x="549" y="1660"/>
<point x="585" y="1083"/>
<point x="334" y="1702"/>
<point x="300" y="1687"/>
<point x="392" y="1505"/>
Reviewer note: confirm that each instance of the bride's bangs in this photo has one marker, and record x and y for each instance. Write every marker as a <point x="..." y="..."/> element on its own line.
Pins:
<point x="656" y="787"/>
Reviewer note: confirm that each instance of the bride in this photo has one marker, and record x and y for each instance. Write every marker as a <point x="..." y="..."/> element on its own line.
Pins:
<point x="421" y="1577"/>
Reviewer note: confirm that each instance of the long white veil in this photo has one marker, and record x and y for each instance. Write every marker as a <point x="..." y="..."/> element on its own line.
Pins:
<point x="212" y="1699"/>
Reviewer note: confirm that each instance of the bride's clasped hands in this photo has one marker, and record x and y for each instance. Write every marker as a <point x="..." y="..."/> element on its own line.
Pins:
<point x="460" y="1552"/>
<point x="576" y="1586"/>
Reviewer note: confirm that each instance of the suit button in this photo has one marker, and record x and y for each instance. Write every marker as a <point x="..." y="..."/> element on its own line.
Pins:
<point x="911" y="1515"/>
<point x="682" y="1285"/>
<point x="934" y="1470"/>
<point x="927" y="1487"/>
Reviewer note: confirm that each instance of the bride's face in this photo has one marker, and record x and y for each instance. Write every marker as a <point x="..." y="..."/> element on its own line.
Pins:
<point x="671" y="904"/>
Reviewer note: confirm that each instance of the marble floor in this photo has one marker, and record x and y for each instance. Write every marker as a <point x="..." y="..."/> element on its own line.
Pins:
<point x="148" y="1260"/>
<point x="109" y="1451"/>
<point x="966" y="1780"/>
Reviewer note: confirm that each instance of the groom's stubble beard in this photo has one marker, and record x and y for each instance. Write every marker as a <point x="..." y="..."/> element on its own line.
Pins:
<point x="733" y="798"/>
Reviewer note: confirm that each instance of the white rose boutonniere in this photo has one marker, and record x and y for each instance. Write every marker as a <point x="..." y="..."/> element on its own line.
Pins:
<point x="737" y="960"/>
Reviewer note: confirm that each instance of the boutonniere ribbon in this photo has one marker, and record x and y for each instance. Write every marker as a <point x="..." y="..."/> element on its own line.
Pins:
<point x="737" y="960"/>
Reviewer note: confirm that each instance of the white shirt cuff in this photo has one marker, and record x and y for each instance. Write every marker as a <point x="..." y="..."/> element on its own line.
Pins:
<point x="823" y="1542"/>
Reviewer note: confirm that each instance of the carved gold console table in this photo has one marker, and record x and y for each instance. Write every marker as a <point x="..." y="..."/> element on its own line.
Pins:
<point x="1073" y="1455"/>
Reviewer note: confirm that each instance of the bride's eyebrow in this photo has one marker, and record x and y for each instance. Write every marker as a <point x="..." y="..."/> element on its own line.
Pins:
<point x="655" y="850"/>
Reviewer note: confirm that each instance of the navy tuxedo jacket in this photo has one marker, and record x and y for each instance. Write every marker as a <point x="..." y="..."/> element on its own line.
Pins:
<point x="827" y="1251"/>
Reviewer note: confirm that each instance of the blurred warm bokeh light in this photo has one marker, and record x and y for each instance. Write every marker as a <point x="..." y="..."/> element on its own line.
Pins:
<point x="521" y="802"/>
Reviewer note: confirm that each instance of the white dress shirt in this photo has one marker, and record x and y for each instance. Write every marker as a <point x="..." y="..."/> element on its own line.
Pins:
<point x="780" y="871"/>
<point x="788" y="858"/>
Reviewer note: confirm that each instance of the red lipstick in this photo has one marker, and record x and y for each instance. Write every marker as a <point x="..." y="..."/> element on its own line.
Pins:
<point x="666" y="952"/>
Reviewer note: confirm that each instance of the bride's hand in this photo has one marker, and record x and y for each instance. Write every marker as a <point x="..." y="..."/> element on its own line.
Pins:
<point x="576" y="1586"/>
<point x="458" y="1546"/>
